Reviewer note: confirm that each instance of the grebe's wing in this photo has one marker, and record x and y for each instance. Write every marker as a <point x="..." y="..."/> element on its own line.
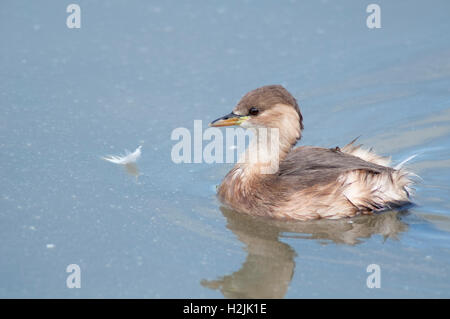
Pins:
<point x="307" y="158"/>
<point x="309" y="165"/>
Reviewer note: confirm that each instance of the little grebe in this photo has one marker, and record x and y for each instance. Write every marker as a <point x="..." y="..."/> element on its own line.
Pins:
<point x="310" y="182"/>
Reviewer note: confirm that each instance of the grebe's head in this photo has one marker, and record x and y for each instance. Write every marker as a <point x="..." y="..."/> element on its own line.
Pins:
<point x="270" y="106"/>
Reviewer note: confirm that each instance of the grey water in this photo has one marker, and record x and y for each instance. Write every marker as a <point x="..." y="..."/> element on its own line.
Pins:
<point x="137" y="70"/>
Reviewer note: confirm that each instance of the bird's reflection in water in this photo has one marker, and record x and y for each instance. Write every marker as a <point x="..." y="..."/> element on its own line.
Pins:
<point x="269" y="266"/>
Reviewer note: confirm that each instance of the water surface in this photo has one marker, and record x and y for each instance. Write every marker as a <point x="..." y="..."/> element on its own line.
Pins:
<point x="136" y="70"/>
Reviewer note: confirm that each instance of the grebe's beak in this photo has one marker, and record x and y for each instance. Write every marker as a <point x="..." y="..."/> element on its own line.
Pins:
<point x="229" y="120"/>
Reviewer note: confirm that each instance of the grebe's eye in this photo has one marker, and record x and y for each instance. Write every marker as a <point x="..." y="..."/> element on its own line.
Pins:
<point x="253" y="111"/>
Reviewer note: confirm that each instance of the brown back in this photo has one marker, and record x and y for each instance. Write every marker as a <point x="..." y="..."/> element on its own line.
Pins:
<point x="306" y="166"/>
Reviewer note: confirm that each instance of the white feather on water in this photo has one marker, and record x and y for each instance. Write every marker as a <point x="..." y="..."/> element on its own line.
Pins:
<point x="128" y="158"/>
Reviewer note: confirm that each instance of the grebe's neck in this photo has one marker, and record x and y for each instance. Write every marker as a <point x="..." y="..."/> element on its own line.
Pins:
<point x="269" y="146"/>
<point x="271" y="142"/>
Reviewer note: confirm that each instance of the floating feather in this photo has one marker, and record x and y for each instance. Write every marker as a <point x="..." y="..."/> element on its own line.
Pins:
<point x="128" y="158"/>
